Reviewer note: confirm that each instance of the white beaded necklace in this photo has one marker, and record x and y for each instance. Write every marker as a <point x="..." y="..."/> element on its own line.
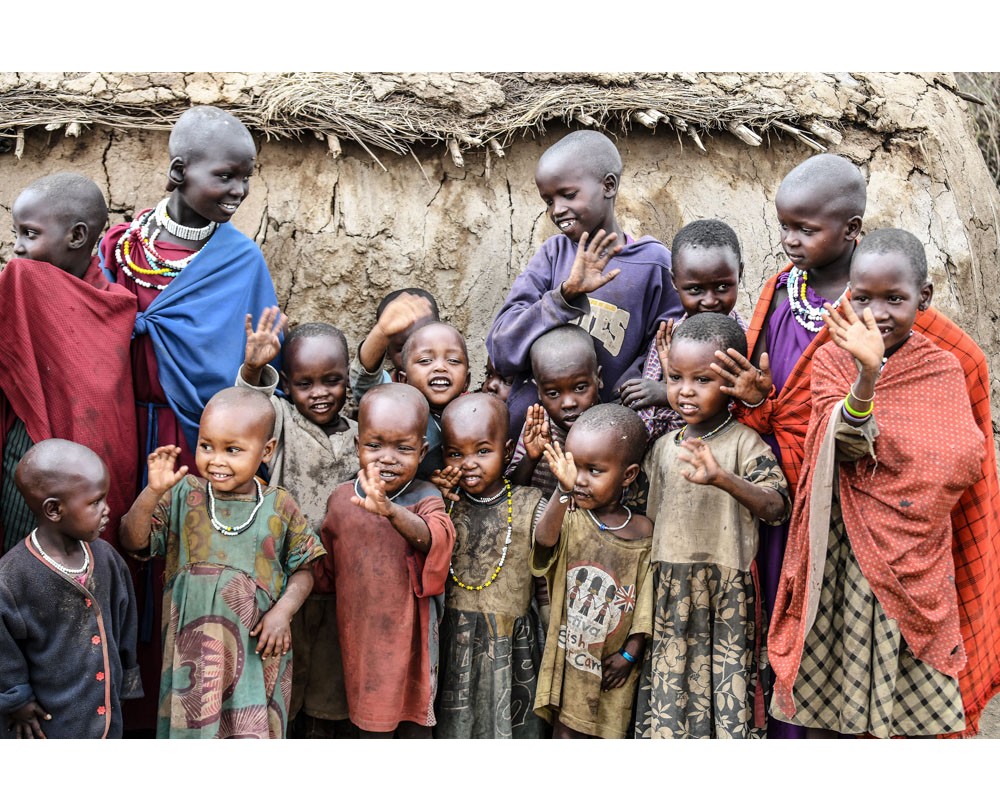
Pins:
<point x="808" y="317"/>
<point x="182" y="231"/>
<point x="233" y="531"/>
<point x="57" y="564"/>
<point x="605" y="527"/>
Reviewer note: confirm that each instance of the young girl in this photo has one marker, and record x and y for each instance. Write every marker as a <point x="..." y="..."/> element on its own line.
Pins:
<point x="237" y="570"/>
<point x="596" y="561"/>
<point x="700" y="679"/>
<point x="489" y="650"/>
<point x="870" y="643"/>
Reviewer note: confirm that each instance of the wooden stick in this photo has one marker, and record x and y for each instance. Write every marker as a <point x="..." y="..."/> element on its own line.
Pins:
<point x="489" y="163"/>
<point x="495" y="146"/>
<point x="745" y="134"/>
<point x="586" y="120"/>
<point x="19" y="143"/>
<point x="644" y="119"/>
<point x="74" y="129"/>
<point x="691" y="131"/>
<point x="799" y="135"/>
<point x="333" y="145"/>
<point x="825" y="132"/>
<point x="456" y="153"/>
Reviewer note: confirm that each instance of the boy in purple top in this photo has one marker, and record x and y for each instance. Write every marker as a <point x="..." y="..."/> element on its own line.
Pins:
<point x="578" y="179"/>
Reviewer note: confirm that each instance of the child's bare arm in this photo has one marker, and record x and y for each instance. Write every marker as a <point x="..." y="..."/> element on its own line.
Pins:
<point x="133" y="534"/>
<point x="764" y="502"/>
<point x="399" y="314"/>
<point x="263" y="343"/>
<point x="275" y="627"/>
<point x="550" y="522"/>
<point x="536" y="436"/>
<point x="25" y="721"/>
<point x="587" y="273"/>
<point x="616" y="667"/>
<point x="410" y="525"/>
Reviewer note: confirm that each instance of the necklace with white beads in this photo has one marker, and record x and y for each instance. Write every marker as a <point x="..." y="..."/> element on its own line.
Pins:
<point x="56" y="564"/>
<point x="233" y="531"/>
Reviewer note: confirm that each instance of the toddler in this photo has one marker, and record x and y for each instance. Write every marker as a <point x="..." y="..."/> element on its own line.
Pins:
<point x="67" y="611"/>
<point x="710" y="481"/>
<point x="494" y="383"/>
<point x="596" y="560"/>
<point x="237" y="569"/>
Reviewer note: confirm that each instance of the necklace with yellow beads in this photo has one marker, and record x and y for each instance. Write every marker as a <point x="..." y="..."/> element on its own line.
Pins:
<point x="506" y="544"/>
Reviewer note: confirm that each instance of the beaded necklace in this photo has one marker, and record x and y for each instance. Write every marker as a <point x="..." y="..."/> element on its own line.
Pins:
<point x="233" y="531"/>
<point x="506" y="543"/>
<point x="178" y="230"/>
<point x="704" y="437"/>
<point x="57" y="564"/>
<point x="605" y="527"/>
<point x="137" y="237"/>
<point x="808" y="317"/>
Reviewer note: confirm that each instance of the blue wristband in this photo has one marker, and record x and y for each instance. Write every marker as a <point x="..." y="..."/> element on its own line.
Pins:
<point x="628" y="657"/>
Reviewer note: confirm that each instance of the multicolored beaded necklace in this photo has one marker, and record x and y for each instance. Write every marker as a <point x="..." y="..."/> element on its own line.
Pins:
<point x="506" y="543"/>
<point x="137" y="237"/>
<point x="808" y="317"/>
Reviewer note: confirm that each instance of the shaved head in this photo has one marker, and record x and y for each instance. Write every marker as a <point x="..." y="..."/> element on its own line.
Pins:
<point x="488" y="414"/>
<point x="394" y="401"/>
<point x="623" y="428"/>
<point x="197" y="129"/>
<point x="829" y="182"/>
<point x="246" y="406"/>
<point x="587" y="148"/>
<point x="72" y="198"/>
<point x="53" y="468"/>
<point x="431" y="326"/>
<point x="560" y="347"/>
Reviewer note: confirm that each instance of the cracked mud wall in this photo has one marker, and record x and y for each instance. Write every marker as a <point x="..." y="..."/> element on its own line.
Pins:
<point x="339" y="234"/>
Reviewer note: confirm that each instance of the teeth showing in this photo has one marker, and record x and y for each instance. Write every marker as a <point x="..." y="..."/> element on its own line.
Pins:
<point x="439" y="383"/>
<point x="565" y="225"/>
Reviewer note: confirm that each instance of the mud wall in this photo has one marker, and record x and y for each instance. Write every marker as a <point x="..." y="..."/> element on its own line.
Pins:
<point x="340" y="233"/>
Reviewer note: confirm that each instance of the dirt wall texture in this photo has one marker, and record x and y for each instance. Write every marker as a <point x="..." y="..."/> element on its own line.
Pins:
<point x="339" y="232"/>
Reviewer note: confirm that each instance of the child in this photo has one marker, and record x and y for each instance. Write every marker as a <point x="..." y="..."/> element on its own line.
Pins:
<point x="578" y="180"/>
<point x="314" y="452"/>
<point x="489" y="649"/>
<point x="65" y="365"/>
<point x="596" y="561"/>
<point x="496" y="384"/>
<point x="436" y="363"/>
<point x="390" y="542"/>
<point x="870" y="643"/>
<point x="192" y="286"/>
<point x="709" y="483"/>
<point x="707" y="269"/>
<point x="237" y="570"/>
<point x="398" y="315"/>
<point x="67" y="611"/>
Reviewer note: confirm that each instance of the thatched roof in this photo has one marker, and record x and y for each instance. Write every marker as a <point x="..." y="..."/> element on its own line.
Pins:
<point x="395" y="111"/>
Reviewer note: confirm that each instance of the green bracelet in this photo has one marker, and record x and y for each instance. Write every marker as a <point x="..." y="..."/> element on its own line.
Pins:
<point x="858" y="415"/>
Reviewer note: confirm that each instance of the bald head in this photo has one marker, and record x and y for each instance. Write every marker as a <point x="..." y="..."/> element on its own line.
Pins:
<point x="396" y="403"/>
<point x="592" y="150"/>
<point x="828" y="182"/>
<point x="426" y="331"/>
<point x="243" y="406"/>
<point x="568" y="345"/>
<point x="480" y="413"/>
<point x="72" y="198"/>
<point x="53" y="469"/>
<point x="200" y="127"/>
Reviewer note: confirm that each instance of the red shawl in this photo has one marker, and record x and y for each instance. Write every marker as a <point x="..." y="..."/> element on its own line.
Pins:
<point x="897" y="510"/>
<point x="65" y="366"/>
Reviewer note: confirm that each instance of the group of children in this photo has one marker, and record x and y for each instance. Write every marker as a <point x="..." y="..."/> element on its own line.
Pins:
<point x="652" y="521"/>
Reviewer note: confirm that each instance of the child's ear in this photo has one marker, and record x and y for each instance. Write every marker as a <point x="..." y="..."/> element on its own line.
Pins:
<point x="357" y="446"/>
<point x="78" y="236"/>
<point x="508" y="452"/>
<point x="926" y="294"/>
<point x="52" y="509"/>
<point x="272" y="443"/>
<point x="853" y="227"/>
<point x="630" y="473"/>
<point x="423" y="450"/>
<point x="175" y="174"/>
<point x="610" y="185"/>
<point x="600" y="380"/>
<point x="740" y="275"/>
<point x="400" y="376"/>
<point x="468" y="377"/>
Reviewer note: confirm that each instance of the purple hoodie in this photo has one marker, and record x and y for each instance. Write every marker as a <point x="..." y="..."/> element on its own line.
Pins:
<point x="621" y="316"/>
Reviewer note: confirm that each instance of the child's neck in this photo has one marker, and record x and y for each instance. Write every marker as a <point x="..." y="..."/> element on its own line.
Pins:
<point x="337" y="427"/>
<point x="706" y="428"/>
<point x="64" y="548"/>
<point x="831" y="280"/>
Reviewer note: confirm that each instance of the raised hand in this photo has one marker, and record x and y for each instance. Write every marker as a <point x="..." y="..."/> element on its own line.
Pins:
<point x="375" y="500"/>
<point x="587" y="273"/>
<point x="263" y="343"/>
<point x="562" y="465"/>
<point x="664" y="333"/>
<point x="537" y="432"/>
<point x="859" y="336"/>
<point x="402" y="313"/>
<point x="744" y="380"/>
<point x="162" y="475"/>
<point x="704" y="469"/>
<point x="641" y="392"/>
<point x="446" y="481"/>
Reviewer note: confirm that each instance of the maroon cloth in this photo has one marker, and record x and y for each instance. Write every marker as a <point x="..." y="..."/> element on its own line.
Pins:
<point x="65" y="366"/>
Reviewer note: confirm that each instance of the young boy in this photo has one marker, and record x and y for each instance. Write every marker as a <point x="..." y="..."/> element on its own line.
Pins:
<point x="192" y="286"/>
<point x="64" y="371"/>
<point x="314" y="452"/>
<point x="436" y="363"/>
<point x="578" y="179"/>
<point x="398" y="315"/>
<point x="710" y="483"/>
<point x="707" y="269"/>
<point x="67" y="611"/>
<point x="390" y="542"/>
<point x="238" y="568"/>
<point x="599" y="625"/>
<point x="870" y="642"/>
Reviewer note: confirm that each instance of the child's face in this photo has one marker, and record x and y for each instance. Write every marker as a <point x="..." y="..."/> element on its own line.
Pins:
<point x="495" y="384"/>
<point x="390" y="437"/>
<point x="575" y="200"/>
<point x="813" y="235"/>
<point x="477" y="444"/>
<point x="315" y="378"/>
<point x="885" y="282"/>
<point x="437" y="365"/>
<point x="693" y="388"/>
<point x="84" y="513"/>
<point x="601" y="471"/>
<point x="397" y="340"/>
<point x="707" y="278"/>
<point x="232" y="444"/>
<point x="39" y="233"/>
<point x="567" y="389"/>
<point x="215" y="183"/>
